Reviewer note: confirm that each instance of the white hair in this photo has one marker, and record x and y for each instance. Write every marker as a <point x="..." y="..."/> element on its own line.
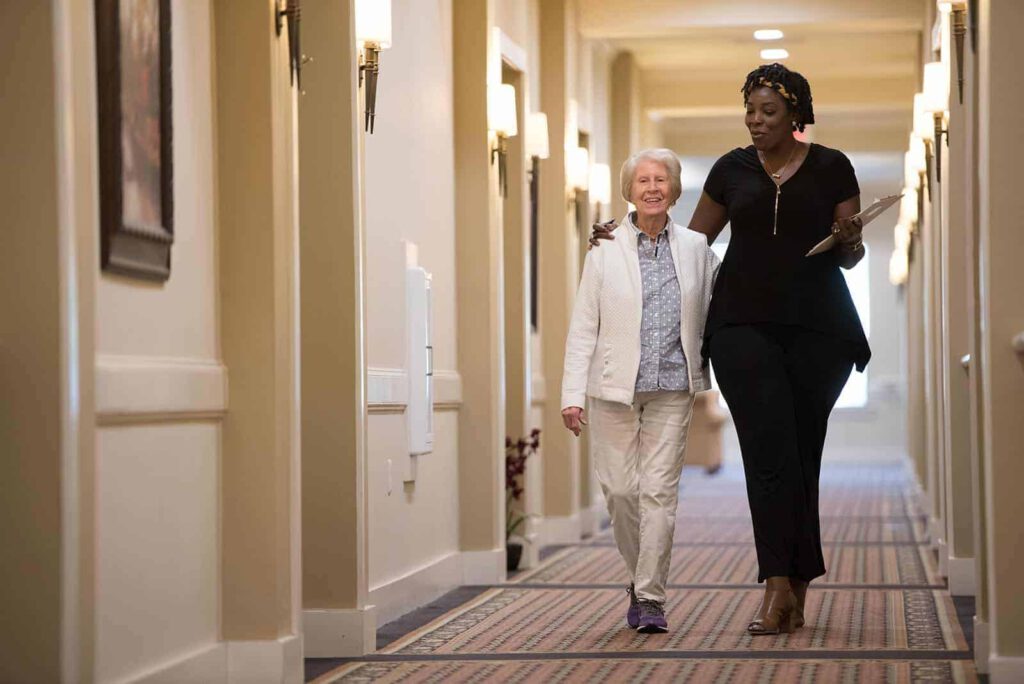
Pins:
<point x="661" y="155"/>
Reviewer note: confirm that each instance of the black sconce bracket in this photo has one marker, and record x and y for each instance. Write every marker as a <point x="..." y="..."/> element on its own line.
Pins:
<point x="290" y="11"/>
<point x="959" y="30"/>
<point x="369" y="69"/>
<point x="500" y="150"/>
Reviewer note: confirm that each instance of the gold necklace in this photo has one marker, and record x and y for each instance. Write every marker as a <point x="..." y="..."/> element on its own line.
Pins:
<point x="777" y="180"/>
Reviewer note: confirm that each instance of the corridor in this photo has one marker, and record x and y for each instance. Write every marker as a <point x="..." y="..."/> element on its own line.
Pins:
<point x="881" y="614"/>
<point x="293" y="323"/>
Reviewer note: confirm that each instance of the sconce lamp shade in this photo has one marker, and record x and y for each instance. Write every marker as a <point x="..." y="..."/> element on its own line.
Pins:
<point x="924" y="124"/>
<point x="936" y="88"/>
<point x="898" y="267"/>
<point x="373" y="23"/>
<point x="901" y="235"/>
<point x="908" y="207"/>
<point x="578" y="171"/>
<point x="918" y="155"/>
<point x="501" y="109"/>
<point x="600" y="183"/>
<point x="911" y="174"/>
<point x="537" y="135"/>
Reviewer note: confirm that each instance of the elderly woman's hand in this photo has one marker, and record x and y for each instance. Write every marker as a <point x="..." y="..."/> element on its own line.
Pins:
<point x="849" y="233"/>
<point x="573" y="419"/>
<point x="602" y="231"/>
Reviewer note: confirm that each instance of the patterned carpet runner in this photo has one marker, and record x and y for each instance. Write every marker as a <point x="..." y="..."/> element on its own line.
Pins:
<point x="881" y="614"/>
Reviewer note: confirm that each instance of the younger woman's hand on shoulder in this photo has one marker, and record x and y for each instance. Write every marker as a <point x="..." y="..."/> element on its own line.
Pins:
<point x="602" y="231"/>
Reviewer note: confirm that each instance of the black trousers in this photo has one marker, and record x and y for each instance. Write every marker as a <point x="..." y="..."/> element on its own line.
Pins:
<point x="781" y="383"/>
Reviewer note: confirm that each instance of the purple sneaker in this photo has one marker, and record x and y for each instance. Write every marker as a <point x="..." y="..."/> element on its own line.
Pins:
<point x="652" y="618"/>
<point x="633" y="614"/>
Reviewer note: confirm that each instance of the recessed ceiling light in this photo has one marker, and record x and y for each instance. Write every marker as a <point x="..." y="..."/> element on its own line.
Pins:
<point x="767" y="34"/>
<point x="774" y="53"/>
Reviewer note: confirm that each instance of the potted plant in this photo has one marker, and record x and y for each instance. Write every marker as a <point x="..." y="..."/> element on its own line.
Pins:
<point x="516" y="454"/>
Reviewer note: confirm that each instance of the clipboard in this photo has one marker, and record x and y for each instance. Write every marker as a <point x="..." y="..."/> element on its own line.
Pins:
<point x="866" y="216"/>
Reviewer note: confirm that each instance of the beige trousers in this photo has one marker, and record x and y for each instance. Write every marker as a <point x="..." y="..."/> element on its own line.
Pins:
<point x="638" y="454"/>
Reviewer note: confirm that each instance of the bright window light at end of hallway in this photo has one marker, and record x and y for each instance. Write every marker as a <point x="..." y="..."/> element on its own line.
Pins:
<point x="768" y="34"/>
<point x="774" y="53"/>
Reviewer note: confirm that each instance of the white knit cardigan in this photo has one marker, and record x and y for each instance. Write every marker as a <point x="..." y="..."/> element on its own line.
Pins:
<point x="602" y="351"/>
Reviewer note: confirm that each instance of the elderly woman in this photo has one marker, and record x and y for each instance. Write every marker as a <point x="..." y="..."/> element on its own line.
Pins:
<point x="782" y="332"/>
<point x="634" y="349"/>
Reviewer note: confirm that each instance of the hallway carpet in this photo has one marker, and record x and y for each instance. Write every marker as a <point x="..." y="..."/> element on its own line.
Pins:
<point x="880" y="614"/>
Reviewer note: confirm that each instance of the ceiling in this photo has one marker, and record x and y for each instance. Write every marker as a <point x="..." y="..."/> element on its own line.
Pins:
<point x="862" y="58"/>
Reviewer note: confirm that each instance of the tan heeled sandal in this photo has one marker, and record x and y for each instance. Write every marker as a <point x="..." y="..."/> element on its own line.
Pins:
<point x="799" y="588"/>
<point x="777" y="608"/>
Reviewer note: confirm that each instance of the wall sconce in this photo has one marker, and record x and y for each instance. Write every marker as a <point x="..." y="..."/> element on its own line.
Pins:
<point x="577" y="176"/>
<point x="916" y="163"/>
<point x="899" y="265"/>
<point x="958" y="27"/>
<point x="600" y="186"/>
<point x="536" y="147"/>
<point x="911" y="176"/>
<point x="373" y="34"/>
<point x="924" y="131"/>
<point x="501" y="119"/>
<point x="578" y="169"/>
<point x="291" y="12"/>
<point x="908" y="208"/>
<point x="935" y="101"/>
<point x="537" y="136"/>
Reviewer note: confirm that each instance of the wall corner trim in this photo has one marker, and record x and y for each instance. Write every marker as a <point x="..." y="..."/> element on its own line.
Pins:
<point x="273" y="661"/>
<point x="483" y="567"/>
<point x="962" y="577"/>
<point x="1005" y="669"/>
<point x="538" y="389"/>
<point x="339" y="632"/>
<point x="562" y="529"/>
<point x="982" y="645"/>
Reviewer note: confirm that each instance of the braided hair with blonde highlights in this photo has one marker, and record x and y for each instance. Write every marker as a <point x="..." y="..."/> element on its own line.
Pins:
<point x="790" y="85"/>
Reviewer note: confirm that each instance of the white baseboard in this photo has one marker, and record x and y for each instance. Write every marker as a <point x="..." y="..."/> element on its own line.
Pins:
<point x="209" y="664"/>
<point x="232" y="662"/>
<point x="982" y="645"/>
<point x="591" y="519"/>
<point x="562" y="529"/>
<point x="265" y="662"/>
<point x="1005" y="669"/>
<point x="962" y="576"/>
<point x="339" y="632"/>
<point x="942" y="549"/>
<point x="484" y="567"/>
<point x="531" y="551"/>
<point x="396" y="597"/>
<point x="920" y="497"/>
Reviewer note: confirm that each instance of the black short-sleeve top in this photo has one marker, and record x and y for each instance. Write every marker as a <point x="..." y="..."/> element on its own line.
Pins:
<point x="766" y="278"/>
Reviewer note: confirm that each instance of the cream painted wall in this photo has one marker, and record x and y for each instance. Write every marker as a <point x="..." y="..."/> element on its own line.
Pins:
<point x="157" y="513"/>
<point x="178" y="318"/>
<point x="157" y="545"/>
<point x="409" y="186"/>
<point x="518" y="20"/>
